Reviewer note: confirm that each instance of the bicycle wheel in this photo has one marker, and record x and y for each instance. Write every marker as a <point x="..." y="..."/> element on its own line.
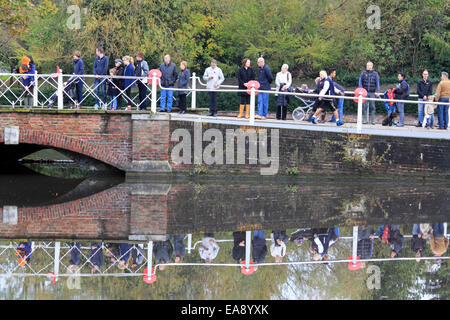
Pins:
<point x="298" y="114"/>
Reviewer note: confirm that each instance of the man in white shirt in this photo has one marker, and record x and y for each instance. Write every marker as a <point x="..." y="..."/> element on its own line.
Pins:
<point x="214" y="78"/>
<point x="209" y="249"/>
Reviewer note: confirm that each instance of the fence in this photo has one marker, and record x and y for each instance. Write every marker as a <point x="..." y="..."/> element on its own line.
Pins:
<point x="50" y="89"/>
<point x="58" y="251"/>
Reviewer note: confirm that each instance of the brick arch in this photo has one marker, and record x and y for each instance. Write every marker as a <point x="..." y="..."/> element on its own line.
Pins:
<point x="81" y="146"/>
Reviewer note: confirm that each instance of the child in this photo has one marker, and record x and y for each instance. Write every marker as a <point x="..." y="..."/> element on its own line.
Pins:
<point x="113" y="90"/>
<point x="429" y="114"/>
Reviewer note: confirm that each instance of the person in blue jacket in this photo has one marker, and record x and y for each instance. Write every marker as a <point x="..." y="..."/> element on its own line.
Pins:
<point x="340" y="103"/>
<point x="128" y="83"/>
<point x="27" y="69"/>
<point x="180" y="250"/>
<point x="259" y="246"/>
<point x="96" y="257"/>
<point x="125" y="254"/>
<point x="78" y="69"/>
<point x="101" y="67"/>
<point x="265" y="78"/>
<point x="163" y="251"/>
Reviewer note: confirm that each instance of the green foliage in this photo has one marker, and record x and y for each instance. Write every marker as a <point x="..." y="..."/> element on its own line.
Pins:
<point x="292" y="171"/>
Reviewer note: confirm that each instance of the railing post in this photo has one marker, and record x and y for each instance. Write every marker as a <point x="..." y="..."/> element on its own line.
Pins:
<point x="252" y="105"/>
<point x="35" y="90"/>
<point x="149" y="259"/>
<point x="60" y="91"/>
<point x="189" y="242"/>
<point x="360" y="104"/>
<point x="355" y="245"/>
<point x="248" y="241"/>
<point x="154" y="92"/>
<point x="57" y="255"/>
<point x="194" y="92"/>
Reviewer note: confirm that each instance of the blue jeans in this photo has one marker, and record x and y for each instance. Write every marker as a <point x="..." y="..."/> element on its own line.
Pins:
<point x="113" y="102"/>
<point x="430" y="121"/>
<point x="263" y="104"/>
<point x="259" y="234"/>
<point x="443" y="113"/>
<point x="401" y="110"/>
<point x="340" y="110"/>
<point x="166" y="95"/>
<point x="416" y="230"/>
<point x="100" y="84"/>
<point x="421" y="111"/>
<point x="438" y="230"/>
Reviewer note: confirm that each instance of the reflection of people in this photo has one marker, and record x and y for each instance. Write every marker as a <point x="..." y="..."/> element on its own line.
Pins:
<point x="180" y="250"/>
<point x="300" y="235"/>
<point x="96" y="257"/>
<point x="418" y="241"/>
<point x="163" y="252"/>
<point x="318" y="243"/>
<point x="365" y="243"/>
<point x="24" y="250"/>
<point x="278" y="247"/>
<point x="112" y="251"/>
<point x="259" y="246"/>
<point x="137" y="255"/>
<point x="238" y="251"/>
<point x="75" y="248"/>
<point x="209" y="248"/>
<point x="125" y="255"/>
<point x="438" y="241"/>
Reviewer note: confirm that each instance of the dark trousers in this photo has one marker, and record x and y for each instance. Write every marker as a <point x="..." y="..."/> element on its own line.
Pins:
<point x="213" y="102"/>
<point x="182" y="102"/>
<point x="245" y="99"/>
<point x="281" y="112"/>
<point x="128" y="96"/>
<point x="142" y="95"/>
<point x="79" y="91"/>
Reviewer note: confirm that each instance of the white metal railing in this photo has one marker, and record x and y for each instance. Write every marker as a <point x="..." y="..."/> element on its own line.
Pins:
<point x="56" y="81"/>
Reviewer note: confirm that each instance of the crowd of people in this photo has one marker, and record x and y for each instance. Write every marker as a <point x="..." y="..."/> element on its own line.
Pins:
<point x="132" y="257"/>
<point x="119" y="89"/>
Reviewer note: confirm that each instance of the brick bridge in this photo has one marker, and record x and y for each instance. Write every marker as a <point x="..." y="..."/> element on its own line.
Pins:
<point x="143" y="211"/>
<point x="143" y="143"/>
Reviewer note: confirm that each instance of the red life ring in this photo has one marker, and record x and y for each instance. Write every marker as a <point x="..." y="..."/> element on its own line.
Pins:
<point x="250" y="84"/>
<point x="364" y="94"/>
<point x="152" y="277"/>
<point x="158" y="76"/>
<point x="250" y="270"/>
<point x="355" y="267"/>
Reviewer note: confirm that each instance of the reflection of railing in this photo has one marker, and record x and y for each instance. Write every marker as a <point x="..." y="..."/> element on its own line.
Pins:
<point x="52" y="269"/>
<point x="56" y="81"/>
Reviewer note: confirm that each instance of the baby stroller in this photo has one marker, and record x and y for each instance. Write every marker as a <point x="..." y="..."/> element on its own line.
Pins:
<point x="390" y="108"/>
<point x="307" y="109"/>
<point x="69" y="95"/>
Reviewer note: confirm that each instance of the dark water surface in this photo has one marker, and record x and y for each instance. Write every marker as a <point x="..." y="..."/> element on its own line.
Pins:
<point x="114" y="210"/>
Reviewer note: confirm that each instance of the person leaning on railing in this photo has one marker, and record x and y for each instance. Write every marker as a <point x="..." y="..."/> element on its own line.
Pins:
<point x="283" y="81"/>
<point x="443" y="95"/>
<point x="128" y="83"/>
<point x="100" y="70"/>
<point x="168" y="78"/>
<point x="369" y="80"/>
<point x="142" y="71"/>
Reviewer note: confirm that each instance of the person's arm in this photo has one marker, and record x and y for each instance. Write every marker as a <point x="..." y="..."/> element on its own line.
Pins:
<point x="326" y="86"/>
<point x="239" y="77"/>
<point x="221" y="78"/>
<point x="277" y="81"/>
<point x="438" y="91"/>
<point x="206" y="75"/>
<point x="175" y="74"/>
<point x="269" y="74"/>
<point x="289" y="80"/>
<point x="420" y="92"/>
<point x="378" y="82"/>
<point x="319" y="244"/>
<point x="360" y="80"/>
<point x="145" y="68"/>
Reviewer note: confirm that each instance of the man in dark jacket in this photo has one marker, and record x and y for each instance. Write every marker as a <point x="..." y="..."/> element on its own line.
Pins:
<point x="238" y="251"/>
<point x="265" y="78"/>
<point x="96" y="257"/>
<point x="142" y="71"/>
<point x="418" y="241"/>
<point x="100" y="69"/>
<point x="180" y="250"/>
<point x="424" y="90"/>
<point x="78" y="69"/>
<point x="369" y="80"/>
<point x="259" y="246"/>
<point x="118" y="65"/>
<point x="396" y="241"/>
<point x="168" y="78"/>
<point x="163" y="252"/>
<point x="401" y="93"/>
<point x="365" y="242"/>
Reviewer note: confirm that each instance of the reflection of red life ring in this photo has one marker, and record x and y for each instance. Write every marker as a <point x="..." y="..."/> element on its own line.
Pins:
<point x="249" y="86"/>
<point x="364" y="94"/>
<point x="158" y="76"/>
<point x="52" y="276"/>
<point x="250" y="271"/>
<point x="355" y="267"/>
<point x="152" y="277"/>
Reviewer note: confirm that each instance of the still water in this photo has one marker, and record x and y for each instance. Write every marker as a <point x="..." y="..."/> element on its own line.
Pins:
<point x="110" y="222"/>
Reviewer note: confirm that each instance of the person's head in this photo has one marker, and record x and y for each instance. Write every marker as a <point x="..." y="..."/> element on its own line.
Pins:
<point x="284" y="68"/>
<point x="213" y="63"/>
<point x="278" y="259"/>
<point x="431" y="99"/>
<point x="177" y="259"/>
<point x="76" y="55"/>
<point x="126" y="60"/>
<point x="332" y="73"/>
<point x="134" y="267"/>
<point x="418" y="255"/>
<point x="113" y="72"/>
<point x="394" y="254"/>
<point x="317" y="256"/>
<point x="323" y="74"/>
<point x="183" y="65"/>
<point x="444" y="76"/>
<point x="167" y="59"/>
<point x="118" y="62"/>
<point x="325" y="258"/>
<point x="425" y="74"/>
<point x="207" y="260"/>
<point x="246" y="63"/>
<point x="122" y="265"/>
<point x="139" y="56"/>
<point x="401" y="76"/>
<point x="100" y="52"/>
<point x="304" y="86"/>
<point x="261" y="62"/>
<point x="369" y="66"/>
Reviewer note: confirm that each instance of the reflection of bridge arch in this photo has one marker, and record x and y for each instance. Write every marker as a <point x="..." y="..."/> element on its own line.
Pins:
<point x="77" y="145"/>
